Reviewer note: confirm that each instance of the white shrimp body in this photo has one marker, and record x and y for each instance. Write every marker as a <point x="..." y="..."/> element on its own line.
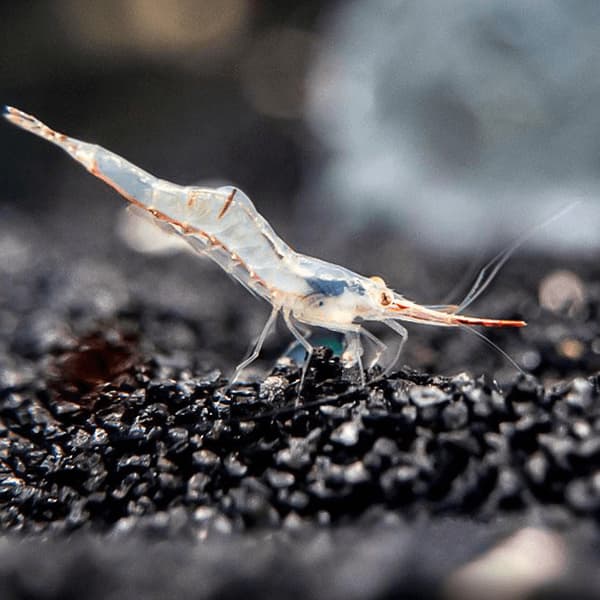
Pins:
<point x="223" y="224"/>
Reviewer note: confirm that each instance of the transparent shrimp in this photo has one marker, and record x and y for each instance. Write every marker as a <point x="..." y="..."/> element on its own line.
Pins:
<point x="224" y="225"/>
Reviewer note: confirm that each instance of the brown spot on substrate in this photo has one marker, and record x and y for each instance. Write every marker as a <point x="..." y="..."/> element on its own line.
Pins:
<point x="96" y="360"/>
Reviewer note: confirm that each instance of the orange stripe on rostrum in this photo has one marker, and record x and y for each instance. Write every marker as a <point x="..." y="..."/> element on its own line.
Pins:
<point x="487" y="322"/>
<point x="506" y="323"/>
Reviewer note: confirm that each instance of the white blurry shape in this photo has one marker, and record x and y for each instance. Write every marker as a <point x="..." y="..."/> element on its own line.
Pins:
<point x="145" y="237"/>
<point x="515" y="568"/>
<point x="274" y="72"/>
<point x="15" y="254"/>
<point x="562" y="290"/>
<point x="158" y="29"/>
<point x="448" y="117"/>
<point x="96" y="285"/>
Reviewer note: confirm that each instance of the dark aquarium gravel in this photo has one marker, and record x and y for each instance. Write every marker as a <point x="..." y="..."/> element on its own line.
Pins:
<point x="161" y="443"/>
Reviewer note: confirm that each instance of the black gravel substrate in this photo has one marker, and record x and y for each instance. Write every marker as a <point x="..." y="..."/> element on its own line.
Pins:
<point x="163" y="444"/>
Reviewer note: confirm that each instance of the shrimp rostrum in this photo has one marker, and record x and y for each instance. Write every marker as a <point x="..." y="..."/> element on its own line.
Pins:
<point x="224" y="225"/>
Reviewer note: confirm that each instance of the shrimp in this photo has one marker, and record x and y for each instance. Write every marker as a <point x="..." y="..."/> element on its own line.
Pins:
<point x="224" y="225"/>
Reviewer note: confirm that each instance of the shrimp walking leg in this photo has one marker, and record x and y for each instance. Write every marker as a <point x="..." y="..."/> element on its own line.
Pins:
<point x="354" y="352"/>
<point x="287" y="317"/>
<point x="382" y="347"/>
<point x="305" y="331"/>
<point x="258" y="345"/>
<point x="401" y="331"/>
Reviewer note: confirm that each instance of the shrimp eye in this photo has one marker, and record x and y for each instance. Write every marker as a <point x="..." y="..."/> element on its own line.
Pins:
<point x="385" y="299"/>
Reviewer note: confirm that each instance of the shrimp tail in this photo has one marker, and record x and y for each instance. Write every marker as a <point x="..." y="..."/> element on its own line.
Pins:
<point x="130" y="181"/>
<point x="80" y="151"/>
<point x="30" y="123"/>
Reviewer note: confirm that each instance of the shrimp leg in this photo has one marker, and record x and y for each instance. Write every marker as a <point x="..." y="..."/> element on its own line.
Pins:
<point x="401" y="331"/>
<point x="287" y="317"/>
<point x="258" y="345"/>
<point x="354" y="351"/>
<point x="376" y="342"/>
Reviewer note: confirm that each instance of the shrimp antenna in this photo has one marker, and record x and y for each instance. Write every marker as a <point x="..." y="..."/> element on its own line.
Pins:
<point x="489" y="342"/>
<point x="489" y="271"/>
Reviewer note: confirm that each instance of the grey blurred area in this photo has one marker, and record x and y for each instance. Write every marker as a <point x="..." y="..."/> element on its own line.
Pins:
<point x="463" y="121"/>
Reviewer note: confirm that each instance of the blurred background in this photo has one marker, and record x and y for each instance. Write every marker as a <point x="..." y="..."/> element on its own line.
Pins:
<point x="408" y="139"/>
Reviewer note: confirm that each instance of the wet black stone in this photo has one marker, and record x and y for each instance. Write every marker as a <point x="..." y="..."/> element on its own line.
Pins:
<point x="254" y="507"/>
<point x="526" y="389"/>
<point x="482" y="408"/>
<point x="509" y="482"/>
<point x="462" y="440"/>
<point x="296" y="456"/>
<point x="178" y="439"/>
<point x="234" y="467"/>
<point x="161" y="391"/>
<point x="588" y="450"/>
<point x="10" y="487"/>
<point x="346" y="434"/>
<point x="355" y="474"/>
<point x="558" y="448"/>
<point x="455" y="415"/>
<point x="320" y="490"/>
<point x="137" y="432"/>
<point x="424" y="397"/>
<point x="397" y="483"/>
<point x="298" y="500"/>
<point x="196" y="487"/>
<point x="279" y="479"/>
<point x="99" y="437"/>
<point x="409" y="414"/>
<point x="523" y="433"/>
<point x="66" y="408"/>
<point x="125" y="486"/>
<point x="579" y="395"/>
<point x="166" y="481"/>
<point x="205" y="460"/>
<point x="582" y="495"/>
<point x="537" y="468"/>
<point x="385" y="447"/>
<point x="134" y="462"/>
